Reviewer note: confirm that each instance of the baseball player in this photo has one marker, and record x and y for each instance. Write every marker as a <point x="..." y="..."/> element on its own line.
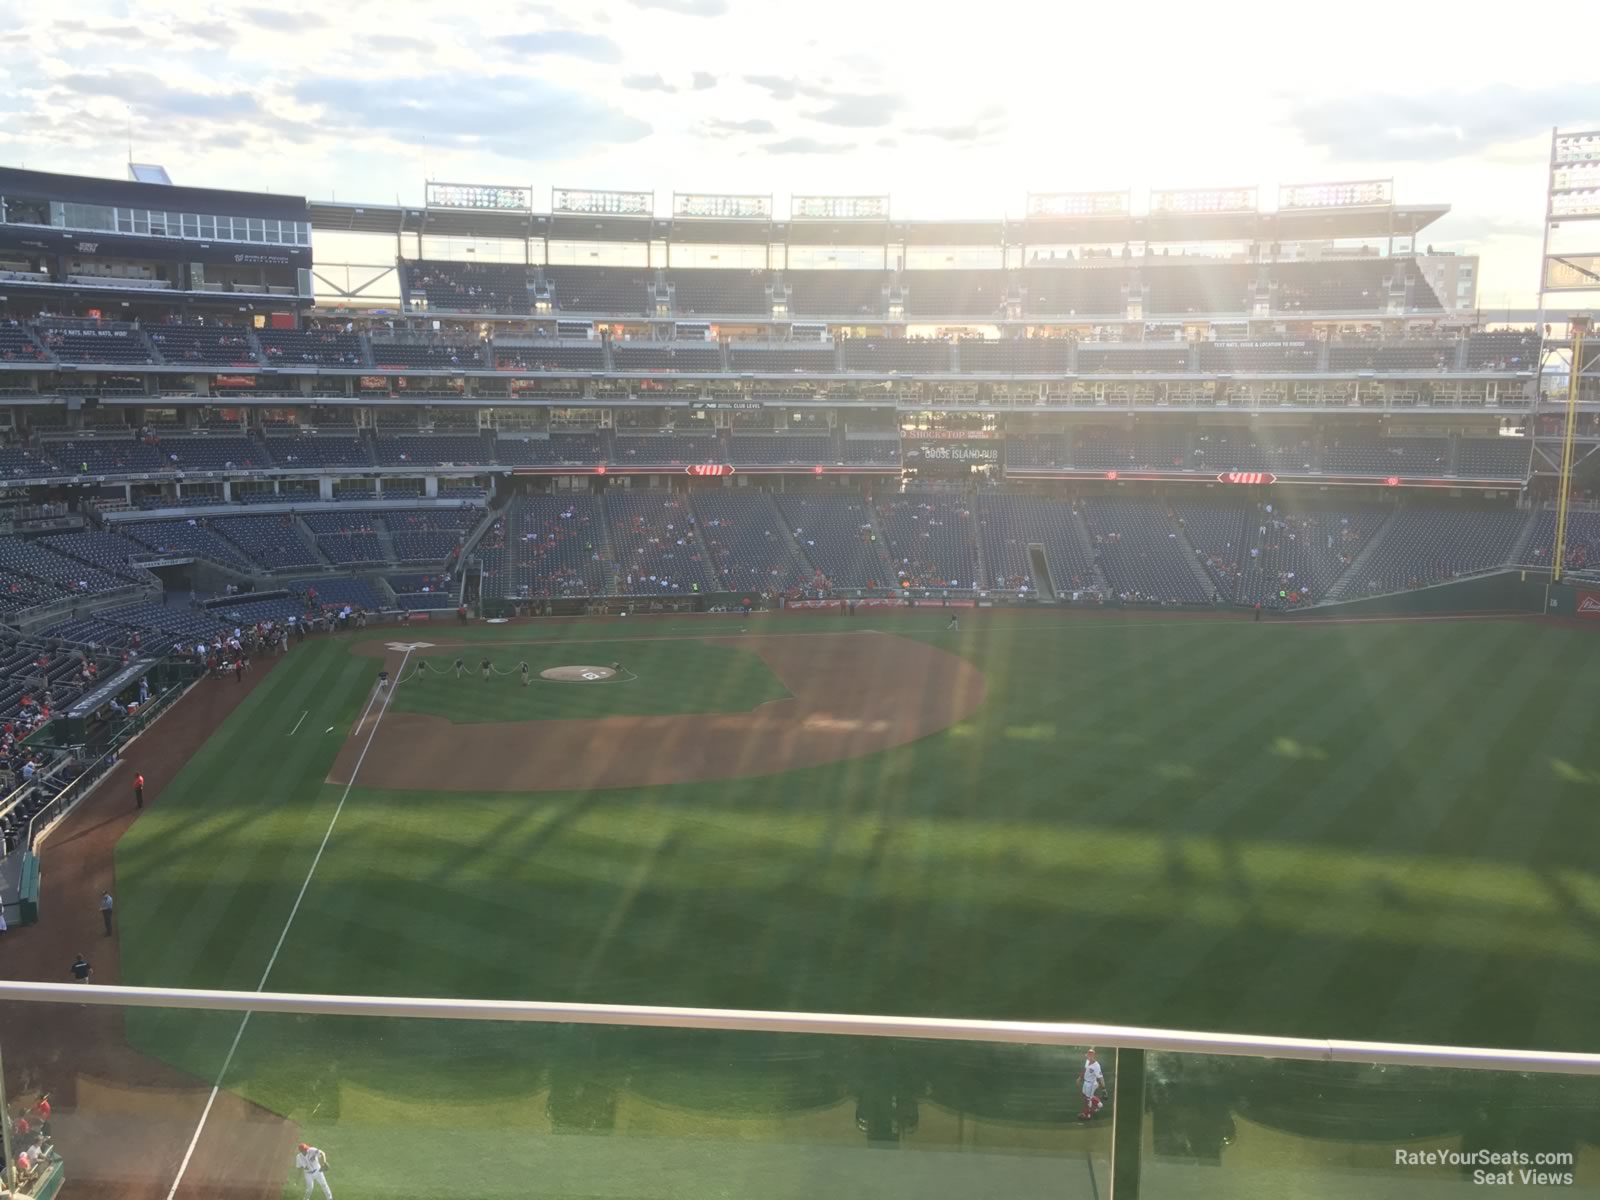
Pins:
<point x="460" y="667"/>
<point x="383" y="680"/>
<point x="955" y="624"/>
<point x="487" y="667"/>
<point x="523" y="667"/>
<point x="1091" y="1081"/>
<point x="313" y="1163"/>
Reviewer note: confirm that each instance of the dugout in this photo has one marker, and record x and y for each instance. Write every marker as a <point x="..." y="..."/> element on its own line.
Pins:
<point x="83" y="718"/>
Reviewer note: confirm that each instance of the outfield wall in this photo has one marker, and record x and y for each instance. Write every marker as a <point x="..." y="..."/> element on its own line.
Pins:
<point x="1505" y="592"/>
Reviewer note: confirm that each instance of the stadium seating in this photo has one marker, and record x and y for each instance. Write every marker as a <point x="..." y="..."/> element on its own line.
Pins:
<point x="203" y="345"/>
<point x="469" y="287"/>
<point x="872" y="451"/>
<point x="1221" y="539"/>
<point x="958" y="293"/>
<point x="429" y="535"/>
<point x="890" y="355"/>
<point x="110" y="343"/>
<point x="561" y="449"/>
<point x="1493" y="458"/>
<point x="836" y="293"/>
<point x="346" y="538"/>
<point x="305" y="451"/>
<point x="1280" y="558"/>
<point x="745" y="542"/>
<point x="667" y="356"/>
<point x="1253" y="448"/>
<point x="1583" y="540"/>
<point x="1213" y="288"/>
<point x="1263" y="357"/>
<point x="1414" y="456"/>
<point x="271" y="541"/>
<point x="666" y="450"/>
<point x="18" y="345"/>
<point x="835" y="531"/>
<point x="931" y="539"/>
<point x="20" y="462"/>
<point x="1332" y="286"/>
<point x="213" y="453"/>
<point x="1140" y="553"/>
<point x="1016" y="356"/>
<point x="1423" y="546"/>
<point x="1046" y="452"/>
<point x="111" y="552"/>
<point x="334" y="591"/>
<point x="310" y="348"/>
<point x="1008" y="525"/>
<point x="1068" y="291"/>
<point x="717" y="292"/>
<point x="426" y="356"/>
<point x="780" y="450"/>
<point x="185" y="538"/>
<point x="46" y="565"/>
<point x="770" y="359"/>
<point x="611" y="291"/>
<point x="552" y="548"/>
<point x="1514" y="350"/>
<point x="1401" y="356"/>
<point x="1131" y="359"/>
<point x="550" y="356"/>
<point x="1153" y="447"/>
<point x="433" y="450"/>
<point x="107" y="456"/>
<point x="422" y="591"/>
<point x="657" y="545"/>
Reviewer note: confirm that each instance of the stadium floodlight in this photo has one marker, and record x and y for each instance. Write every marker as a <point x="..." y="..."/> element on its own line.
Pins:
<point x="1358" y="193"/>
<point x="1196" y="201"/>
<point x="1078" y="204"/>
<point x="481" y="196"/>
<point x="1572" y="199"/>
<point x="719" y="206"/>
<point x="1576" y="147"/>
<point x="839" y="208"/>
<point x="590" y="202"/>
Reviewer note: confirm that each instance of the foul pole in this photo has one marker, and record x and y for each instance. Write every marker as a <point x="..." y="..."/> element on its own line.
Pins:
<point x="1578" y="327"/>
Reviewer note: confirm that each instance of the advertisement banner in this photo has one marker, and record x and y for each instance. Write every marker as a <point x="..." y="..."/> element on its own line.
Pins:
<point x="1588" y="604"/>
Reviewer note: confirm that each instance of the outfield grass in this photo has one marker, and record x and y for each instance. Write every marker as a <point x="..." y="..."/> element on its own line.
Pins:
<point x="1377" y="831"/>
<point x="657" y="678"/>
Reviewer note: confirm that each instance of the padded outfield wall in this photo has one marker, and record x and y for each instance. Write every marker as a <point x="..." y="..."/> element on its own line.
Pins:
<point x="1503" y="592"/>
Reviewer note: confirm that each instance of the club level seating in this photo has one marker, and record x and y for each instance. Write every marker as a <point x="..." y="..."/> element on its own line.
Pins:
<point x="1063" y="291"/>
<point x="557" y="450"/>
<point x="551" y="548"/>
<point x="1140" y="554"/>
<point x="296" y="451"/>
<point x="213" y="453"/>
<point x="426" y="356"/>
<point x="1493" y="458"/>
<point x="667" y="356"/>
<point x="931" y="539"/>
<point x="204" y="345"/>
<point x="346" y="537"/>
<point x="1249" y="448"/>
<point x="19" y="462"/>
<point x="794" y="356"/>
<point x="780" y="449"/>
<point x="1016" y="356"/>
<point x="1146" y="450"/>
<point x="1258" y="357"/>
<point x="1010" y="524"/>
<point x="468" y="287"/>
<point x="423" y="591"/>
<point x="954" y="293"/>
<point x="272" y="541"/>
<point x="1377" y="356"/>
<point x="713" y="292"/>
<point x="619" y="291"/>
<point x="1132" y="360"/>
<point x="17" y="344"/>
<point x="745" y="544"/>
<point x="310" y="348"/>
<point x="1047" y="452"/>
<point x="836" y="293"/>
<point x="666" y="449"/>
<point x="835" y="532"/>
<point x="872" y="451"/>
<point x="1425" y="546"/>
<point x="551" y="356"/>
<point x="1346" y="286"/>
<point x="108" y="456"/>
<point x="658" y="547"/>
<point x="887" y="355"/>
<point x="95" y="344"/>
<point x="1416" y="456"/>
<point x="433" y="450"/>
<point x="1213" y="288"/>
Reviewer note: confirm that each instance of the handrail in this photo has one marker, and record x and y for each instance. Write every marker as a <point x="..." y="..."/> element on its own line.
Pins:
<point x="1043" y="1033"/>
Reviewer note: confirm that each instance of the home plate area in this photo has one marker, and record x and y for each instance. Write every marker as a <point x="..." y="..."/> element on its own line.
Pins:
<point x="578" y="674"/>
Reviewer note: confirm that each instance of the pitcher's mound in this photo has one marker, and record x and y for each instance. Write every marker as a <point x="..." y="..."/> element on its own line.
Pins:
<point x="578" y="674"/>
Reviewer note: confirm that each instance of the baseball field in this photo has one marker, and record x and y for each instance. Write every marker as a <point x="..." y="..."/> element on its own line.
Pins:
<point x="1378" y="830"/>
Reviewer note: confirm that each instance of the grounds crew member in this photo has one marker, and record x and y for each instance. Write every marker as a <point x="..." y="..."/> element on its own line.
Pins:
<point x="105" y="911"/>
<point x="81" y="970"/>
<point x="313" y="1163"/>
<point x="138" y="791"/>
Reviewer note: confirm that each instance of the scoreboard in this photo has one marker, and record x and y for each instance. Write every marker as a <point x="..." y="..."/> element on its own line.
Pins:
<point x="484" y="197"/>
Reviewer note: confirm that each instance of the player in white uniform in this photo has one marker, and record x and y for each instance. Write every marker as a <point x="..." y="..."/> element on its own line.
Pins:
<point x="313" y="1163"/>
<point x="1091" y="1080"/>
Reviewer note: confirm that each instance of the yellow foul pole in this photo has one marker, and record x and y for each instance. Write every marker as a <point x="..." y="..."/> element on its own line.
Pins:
<point x="1580" y="326"/>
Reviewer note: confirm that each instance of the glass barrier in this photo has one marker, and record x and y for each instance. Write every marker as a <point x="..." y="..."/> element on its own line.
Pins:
<point x="423" y="1107"/>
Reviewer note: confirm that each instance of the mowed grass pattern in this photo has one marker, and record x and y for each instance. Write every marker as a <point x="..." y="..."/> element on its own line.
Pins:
<point x="657" y="678"/>
<point x="1376" y="831"/>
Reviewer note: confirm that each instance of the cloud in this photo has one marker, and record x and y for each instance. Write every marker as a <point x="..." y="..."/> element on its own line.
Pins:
<point x="781" y="87"/>
<point x="1434" y="126"/>
<point x="214" y="33"/>
<point x="146" y="92"/>
<point x="395" y="43"/>
<point x="516" y="115"/>
<point x="686" y="8"/>
<point x="721" y="128"/>
<point x="704" y="81"/>
<point x="647" y="83"/>
<point x="279" y="21"/>
<point x="859" y="111"/>
<point x="806" y="145"/>
<point x="563" y="41"/>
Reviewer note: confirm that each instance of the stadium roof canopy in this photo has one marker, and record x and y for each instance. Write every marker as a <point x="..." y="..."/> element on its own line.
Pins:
<point x="1307" y="224"/>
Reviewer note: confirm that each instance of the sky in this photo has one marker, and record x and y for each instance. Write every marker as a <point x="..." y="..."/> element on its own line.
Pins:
<point x="954" y="110"/>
